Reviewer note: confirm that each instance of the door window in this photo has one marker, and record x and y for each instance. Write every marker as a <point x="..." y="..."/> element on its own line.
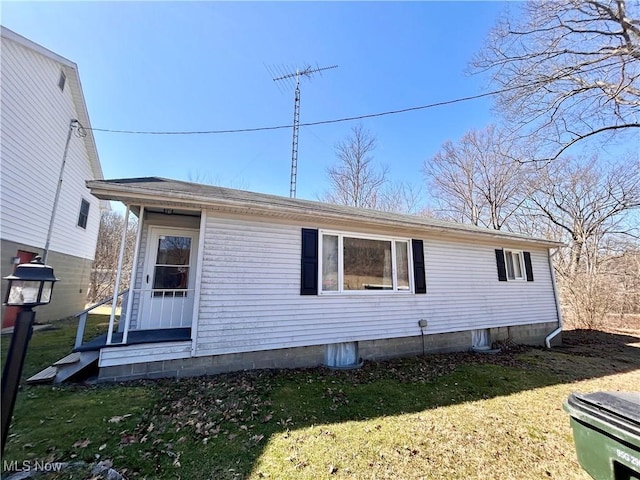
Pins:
<point x="171" y="271"/>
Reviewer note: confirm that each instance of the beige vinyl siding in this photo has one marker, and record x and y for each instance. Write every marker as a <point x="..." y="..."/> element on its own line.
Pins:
<point x="70" y="291"/>
<point x="35" y="123"/>
<point x="250" y="295"/>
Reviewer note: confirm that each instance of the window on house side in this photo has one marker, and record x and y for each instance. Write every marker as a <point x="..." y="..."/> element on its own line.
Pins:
<point x="351" y="264"/>
<point x="84" y="214"/>
<point x="62" y="81"/>
<point x="330" y="263"/>
<point x="514" y="264"/>
<point x="402" y="265"/>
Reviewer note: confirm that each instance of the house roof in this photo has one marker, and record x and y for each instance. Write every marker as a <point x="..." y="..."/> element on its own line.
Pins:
<point x="73" y="80"/>
<point x="156" y="191"/>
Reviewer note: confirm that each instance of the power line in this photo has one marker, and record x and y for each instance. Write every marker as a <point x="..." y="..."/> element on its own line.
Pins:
<point x="346" y="119"/>
<point x="308" y="124"/>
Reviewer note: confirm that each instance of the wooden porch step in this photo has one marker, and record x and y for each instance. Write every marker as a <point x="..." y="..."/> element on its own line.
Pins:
<point x="68" y="360"/>
<point x="65" y="367"/>
<point x="44" y="376"/>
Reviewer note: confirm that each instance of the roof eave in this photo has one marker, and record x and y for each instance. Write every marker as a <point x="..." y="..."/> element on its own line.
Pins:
<point x="129" y="194"/>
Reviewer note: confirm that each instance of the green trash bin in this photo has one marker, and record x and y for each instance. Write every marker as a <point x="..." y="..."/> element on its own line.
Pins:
<point x="606" y="431"/>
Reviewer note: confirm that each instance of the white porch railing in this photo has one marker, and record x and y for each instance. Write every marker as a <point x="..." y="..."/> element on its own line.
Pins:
<point x="82" y="316"/>
<point x="160" y="309"/>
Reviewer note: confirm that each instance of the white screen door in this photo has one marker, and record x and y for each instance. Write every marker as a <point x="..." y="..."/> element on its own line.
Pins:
<point x="169" y="279"/>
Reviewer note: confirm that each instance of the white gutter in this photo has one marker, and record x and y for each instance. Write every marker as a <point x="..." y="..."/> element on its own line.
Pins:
<point x="557" y="331"/>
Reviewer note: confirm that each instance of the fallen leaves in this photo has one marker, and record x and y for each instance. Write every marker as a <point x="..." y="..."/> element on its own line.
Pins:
<point x="81" y="443"/>
<point x="118" y="419"/>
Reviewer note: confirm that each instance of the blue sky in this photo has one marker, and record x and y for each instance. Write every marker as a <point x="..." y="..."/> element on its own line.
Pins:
<point x="202" y="66"/>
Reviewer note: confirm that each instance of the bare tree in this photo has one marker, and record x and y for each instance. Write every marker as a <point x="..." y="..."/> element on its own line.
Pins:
<point x="477" y="180"/>
<point x="569" y="70"/>
<point x="587" y="202"/>
<point x="104" y="270"/>
<point x="206" y="178"/>
<point x="608" y="285"/>
<point x="355" y="180"/>
<point x="401" y="197"/>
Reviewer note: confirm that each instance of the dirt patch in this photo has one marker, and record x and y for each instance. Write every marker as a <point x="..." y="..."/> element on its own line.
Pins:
<point x="619" y="340"/>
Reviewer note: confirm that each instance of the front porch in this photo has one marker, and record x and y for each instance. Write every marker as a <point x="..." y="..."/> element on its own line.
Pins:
<point x="160" y="305"/>
<point x="153" y="320"/>
<point x="116" y="346"/>
<point x="137" y="337"/>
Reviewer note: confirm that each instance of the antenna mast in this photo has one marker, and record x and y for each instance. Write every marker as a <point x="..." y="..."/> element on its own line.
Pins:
<point x="306" y="72"/>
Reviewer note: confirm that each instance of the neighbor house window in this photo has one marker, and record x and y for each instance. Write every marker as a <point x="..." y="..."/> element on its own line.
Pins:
<point x="61" y="81"/>
<point x="83" y="216"/>
<point x="352" y="263"/>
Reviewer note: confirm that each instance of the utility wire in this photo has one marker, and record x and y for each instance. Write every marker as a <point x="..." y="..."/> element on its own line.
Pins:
<point x="339" y="120"/>
<point x="309" y="124"/>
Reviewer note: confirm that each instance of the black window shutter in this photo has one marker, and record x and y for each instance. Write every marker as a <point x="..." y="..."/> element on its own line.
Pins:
<point x="309" y="262"/>
<point x="419" y="273"/>
<point x="527" y="266"/>
<point x="502" y="269"/>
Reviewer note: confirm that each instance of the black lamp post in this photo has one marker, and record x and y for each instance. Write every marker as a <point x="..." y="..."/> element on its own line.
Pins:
<point x="30" y="285"/>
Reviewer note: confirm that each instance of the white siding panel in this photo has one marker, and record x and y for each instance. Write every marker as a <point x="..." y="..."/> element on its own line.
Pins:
<point x="250" y="298"/>
<point x="154" y="352"/>
<point x="35" y="122"/>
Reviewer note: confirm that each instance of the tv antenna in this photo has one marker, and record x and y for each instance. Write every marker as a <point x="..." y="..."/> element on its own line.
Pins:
<point x="307" y="72"/>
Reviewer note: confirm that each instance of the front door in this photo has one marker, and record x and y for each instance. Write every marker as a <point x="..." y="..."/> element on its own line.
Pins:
<point x="168" y="279"/>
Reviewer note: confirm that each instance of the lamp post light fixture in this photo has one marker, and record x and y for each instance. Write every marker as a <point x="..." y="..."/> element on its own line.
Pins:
<point x="30" y="285"/>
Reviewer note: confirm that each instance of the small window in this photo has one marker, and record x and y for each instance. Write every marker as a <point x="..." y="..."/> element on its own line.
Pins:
<point x="514" y="264"/>
<point x="84" y="214"/>
<point x="62" y="81"/>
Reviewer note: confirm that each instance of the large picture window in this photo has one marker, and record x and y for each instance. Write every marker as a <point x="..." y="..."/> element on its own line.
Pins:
<point x="351" y="264"/>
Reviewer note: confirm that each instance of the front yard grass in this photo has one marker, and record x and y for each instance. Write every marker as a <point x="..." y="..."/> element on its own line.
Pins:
<point x="433" y="417"/>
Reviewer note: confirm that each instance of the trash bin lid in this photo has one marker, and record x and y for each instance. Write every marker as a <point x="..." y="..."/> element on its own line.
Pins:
<point x="619" y="408"/>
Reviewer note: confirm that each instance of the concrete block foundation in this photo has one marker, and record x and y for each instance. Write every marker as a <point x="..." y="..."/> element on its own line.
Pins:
<point x="313" y="356"/>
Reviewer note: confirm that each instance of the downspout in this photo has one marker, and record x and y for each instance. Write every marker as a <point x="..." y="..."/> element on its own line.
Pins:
<point x="557" y="331"/>
<point x="45" y="254"/>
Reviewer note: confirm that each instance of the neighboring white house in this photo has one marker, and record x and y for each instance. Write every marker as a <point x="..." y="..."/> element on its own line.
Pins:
<point x="44" y="145"/>
<point x="226" y="280"/>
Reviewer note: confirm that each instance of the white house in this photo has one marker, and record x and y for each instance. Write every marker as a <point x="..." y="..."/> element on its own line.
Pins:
<point x="226" y="280"/>
<point x="47" y="153"/>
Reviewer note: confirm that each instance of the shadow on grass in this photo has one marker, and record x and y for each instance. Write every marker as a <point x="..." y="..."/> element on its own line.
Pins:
<point x="218" y="427"/>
